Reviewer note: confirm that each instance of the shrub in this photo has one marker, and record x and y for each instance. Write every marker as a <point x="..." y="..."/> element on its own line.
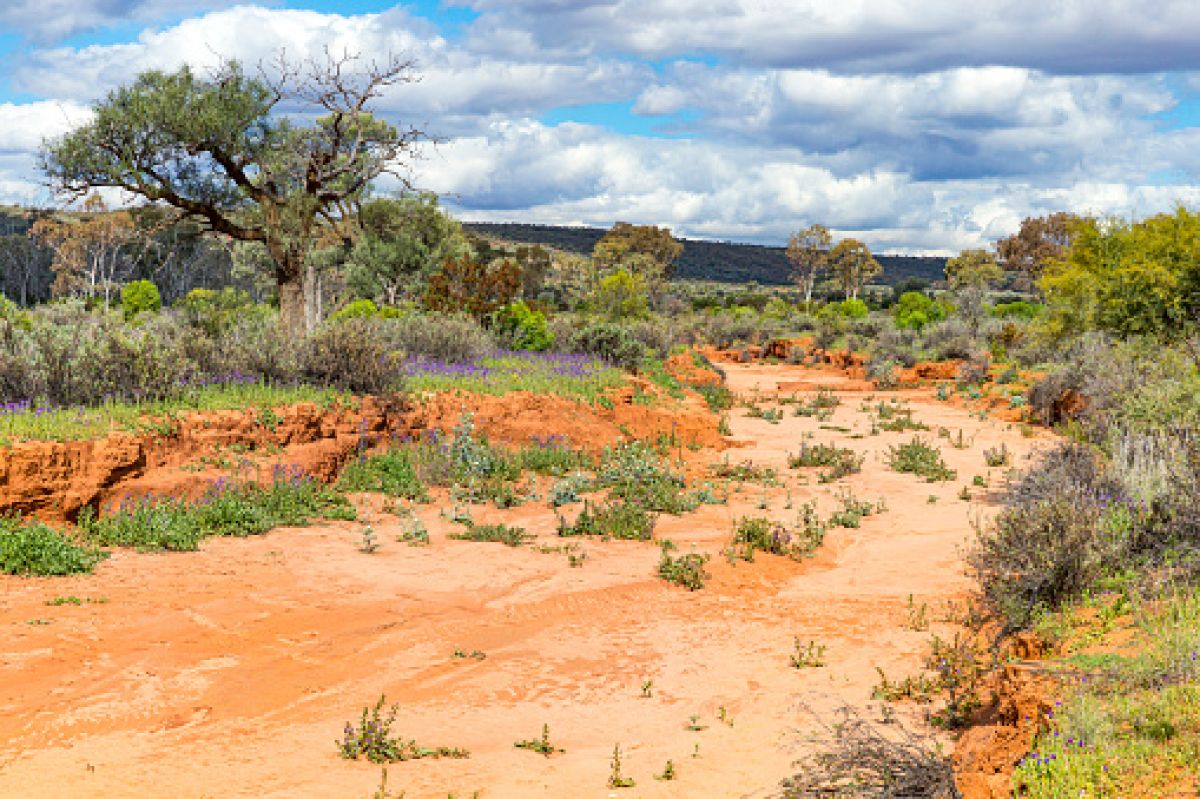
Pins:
<point x="372" y="739"/>
<point x="914" y="310"/>
<point x="622" y="295"/>
<point x="351" y="354"/>
<point x="494" y="533"/>
<point x="685" y="570"/>
<point x="610" y="342"/>
<point x="449" y="338"/>
<point x="34" y="548"/>
<point x="974" y="371"/>
<point x="525" y="328"/>
<point x="840" y="460"/>
<point x="620" y="520"/>
<point x="139" y="297"/>
<point x="1065" y="522"/>
<point x="233" y="509"/>
<point x="917" y="457"/>
<point x="359" y="309"/>
<point x="390" y="473"/>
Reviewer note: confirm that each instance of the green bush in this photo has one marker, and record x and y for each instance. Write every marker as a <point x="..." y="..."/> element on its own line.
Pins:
<point x="525" y="327"/>
<point x="139" y="297"/>
<point x="232" y="509"/>
<point x="917" y="457"/>
<point x="34" y="548"/>
<point x="622" y="295"/>
<point x="359" y="309"/>
<point x="914" y="310"/>
<point x="610" y="342"/>
<point x="390" y="473"/>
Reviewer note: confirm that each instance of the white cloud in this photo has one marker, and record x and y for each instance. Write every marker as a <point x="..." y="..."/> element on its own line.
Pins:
<point x="50" y="20"/>
<point x="1070" y="36"/>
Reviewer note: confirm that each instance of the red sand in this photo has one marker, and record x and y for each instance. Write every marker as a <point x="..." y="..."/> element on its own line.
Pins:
<point x="230" y="672"/>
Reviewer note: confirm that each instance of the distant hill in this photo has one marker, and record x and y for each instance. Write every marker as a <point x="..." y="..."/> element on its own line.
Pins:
<point x="707" y="260"/>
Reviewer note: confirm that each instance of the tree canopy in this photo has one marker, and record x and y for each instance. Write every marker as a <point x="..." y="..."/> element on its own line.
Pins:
<point x="1040" y="240"/>
<point x="808" y="251"/>
<point x="973" y="269"/>
<point x="853" y="264"/>
<point x="214" y="148"/>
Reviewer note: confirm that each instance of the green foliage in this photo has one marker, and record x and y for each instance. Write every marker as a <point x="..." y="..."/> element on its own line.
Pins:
<point x="139" y="297"/>
<point x="759" y="534"/>
<point x="840" y="461"/>
<point x="622" y="295"/>
<point x="233" y="509"/>
<point x="372" y="738"/>
<point x="540" y="745"/>
<point x="494" y="533"/>
<point x="914" y="310"/>
<point x="525" y="327"/>
<point x="684" y="570"/>
<point x="973" y="268"/>
<point x="851" y="308"/>
<point x="920" y="458"/>
<point x="359" y="309"/>
<point x="1130" y="278"/>
<point x="215" y="312"/>
<point x="391" y="473"/>
<point x="404" y="241"/>
<point x="1019" y="309"/>
<point x="611" y="342"/>
<point x="621" y="520"/>
<point x="33" y="548"/>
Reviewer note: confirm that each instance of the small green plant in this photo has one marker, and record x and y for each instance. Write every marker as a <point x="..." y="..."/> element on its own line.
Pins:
<point x="372" y="739"/>
<point x="668" y="772"/>
<point x="684" y="570"/>
<point x="979" y="481"/>
<point x="620" y="520"/>
<point x="918" y="615"/>
<point x="944" y="392"/>
<point x="694" y="724"/>
<point x="724" y="717"/>
<point x="540" y="745"/>
<point x="957" y="669"/>
<point x="494" y="533"/>
<point x="474" y="654"/>
<point x="840" y="461"/>
<point x="34" y="548"/>
<point x="919" y="688"/>
<point x="919" y="458"/>
<point x="853" y="511"/>
<point x="997" y="456"/>
<point x="810" y="656"/>
<point x="369" y="542"/>
<point x="964" y="494"/>
<point x="615" y="778"/>
<point x="647" y="689"/>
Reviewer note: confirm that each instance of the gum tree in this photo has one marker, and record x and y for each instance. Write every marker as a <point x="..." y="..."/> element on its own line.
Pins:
<point x="853" y="264"/>
<point x="221" y="150"/>
<point x="808" y="251"/>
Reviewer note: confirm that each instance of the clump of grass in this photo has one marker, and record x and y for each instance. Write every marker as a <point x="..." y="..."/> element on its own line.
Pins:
<point x="841" y="461"/>
<point x="494" y="533"/>
<point x="620" y="520"/>
<point x="919" y="458"/>
<point x="227" y="508"/>
<point x="540" y="745"/>
<point x="996" y="456"/>
<point x="391" y="473"/>
<point x="36" y="549"/>
<point x="744" y="472"/>
<point x="615" y="778"/>
<point x="810" y="656"/>
<point x="372" y="739"/>
<point x="759" y="534"/>
<point x="684" y="570"/>
<point x="719" y="398"/>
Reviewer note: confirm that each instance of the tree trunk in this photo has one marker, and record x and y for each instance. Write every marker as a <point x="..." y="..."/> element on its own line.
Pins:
<point x="290" y="282"/>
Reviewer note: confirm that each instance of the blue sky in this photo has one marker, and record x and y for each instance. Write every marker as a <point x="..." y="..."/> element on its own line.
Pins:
<point x="915" y="125"/>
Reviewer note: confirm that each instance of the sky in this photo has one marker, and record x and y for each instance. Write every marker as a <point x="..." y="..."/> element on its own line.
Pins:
<point x="917" y="126"/>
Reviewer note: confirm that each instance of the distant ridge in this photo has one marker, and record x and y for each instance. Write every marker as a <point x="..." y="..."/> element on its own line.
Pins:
<point x="725" y="262"/>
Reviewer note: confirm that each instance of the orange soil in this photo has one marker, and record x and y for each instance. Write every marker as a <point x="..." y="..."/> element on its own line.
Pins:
<point x="229" y="672"/>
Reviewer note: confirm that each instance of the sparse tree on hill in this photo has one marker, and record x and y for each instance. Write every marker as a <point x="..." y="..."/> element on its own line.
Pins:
<point x="973" y="268"/>
<point x="643" y="250"/>
<point x="214" y="148"/>
<point x="809" y="251"/>
<point x="853" y="264"/>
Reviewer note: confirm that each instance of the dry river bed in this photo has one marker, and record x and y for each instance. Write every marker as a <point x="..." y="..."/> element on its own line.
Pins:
<point x="231" y="671"/>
